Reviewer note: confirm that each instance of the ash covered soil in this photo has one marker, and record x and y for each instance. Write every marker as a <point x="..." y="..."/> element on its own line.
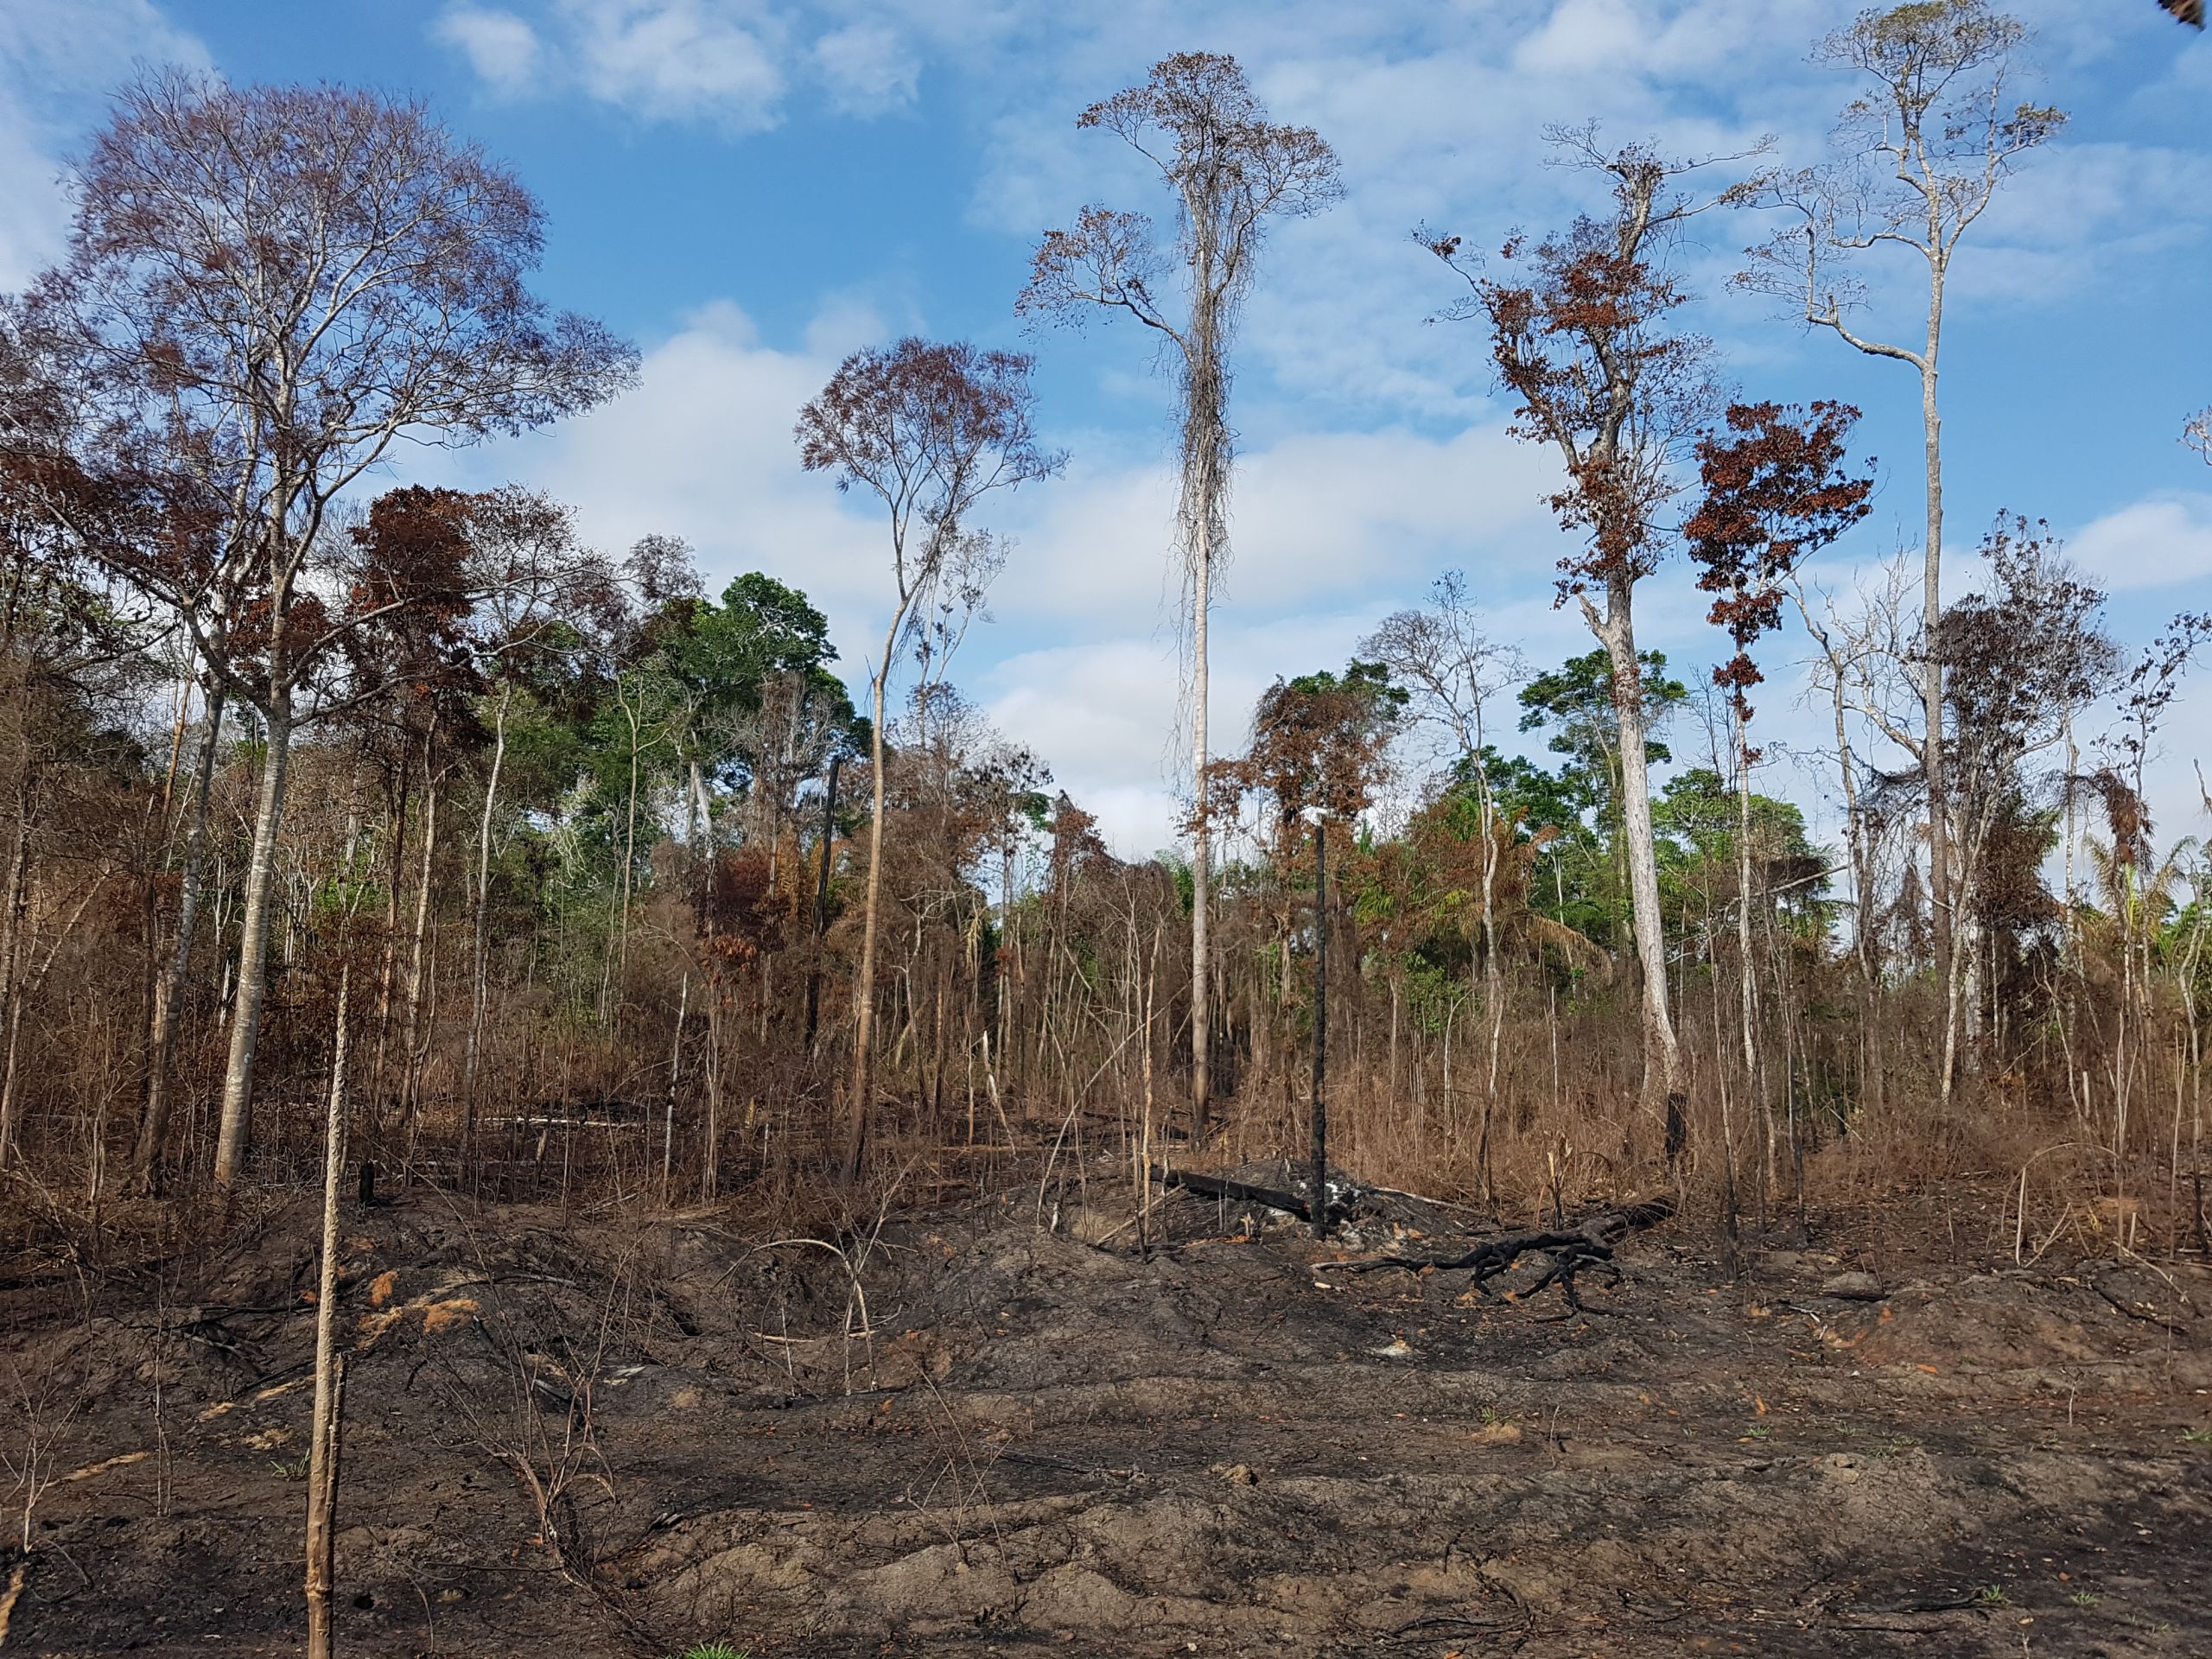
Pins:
<point x="997" y="1426"/>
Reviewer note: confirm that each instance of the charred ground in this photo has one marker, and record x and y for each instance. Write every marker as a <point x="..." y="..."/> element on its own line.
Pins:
<point x="1000" y="1426"/>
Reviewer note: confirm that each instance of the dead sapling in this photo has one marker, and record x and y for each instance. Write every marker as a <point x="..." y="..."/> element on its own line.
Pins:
<point x="538" y="1418"/>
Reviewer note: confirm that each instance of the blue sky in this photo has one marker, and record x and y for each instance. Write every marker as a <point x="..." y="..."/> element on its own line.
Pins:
<point x="750" y="188"/>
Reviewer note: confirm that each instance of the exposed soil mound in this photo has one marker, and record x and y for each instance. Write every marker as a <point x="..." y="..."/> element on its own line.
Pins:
<point x="1001" y="1428"/>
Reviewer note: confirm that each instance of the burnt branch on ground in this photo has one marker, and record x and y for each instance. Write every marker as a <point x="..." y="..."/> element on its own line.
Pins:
<point x="1567" y="1251"/>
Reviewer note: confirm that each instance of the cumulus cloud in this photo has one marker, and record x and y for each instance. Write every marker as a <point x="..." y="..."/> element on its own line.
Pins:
<point x="502" y="48"/>
<point x="702" y="448"/>
<point x="717" y="61"/>
<point x="1084" y="662"/>
<point x="56" y="62"/>
<point x="680" y="57"/>
<point x="2159" y="543"/>
<point x="868" y="67"/>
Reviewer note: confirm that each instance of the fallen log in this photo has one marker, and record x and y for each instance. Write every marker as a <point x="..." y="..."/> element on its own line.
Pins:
<point x="1220" y="1186"/>
<point x="1588" y="1243"/>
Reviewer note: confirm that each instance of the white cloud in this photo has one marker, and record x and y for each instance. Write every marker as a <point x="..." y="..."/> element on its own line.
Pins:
<point x="680" y="58"/>
<point x="717" y="61"/>
<point x="2159" y="543"/>
<point x="1330" y="529"/>
<point x="868" y="67"/>
<point x="702" y="448"/>
<point x="1582" y="36"/>
<point x="55" y="64"/>
<point x="501" y="47"/>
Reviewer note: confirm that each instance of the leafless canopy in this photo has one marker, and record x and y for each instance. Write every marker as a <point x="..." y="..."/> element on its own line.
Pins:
<point x="929" y="428"/>
<point x="1441" y="656"/>
<point x="272" y="285"/>
<point x="1232" y="170"/>
<point x="1918" y="155"/>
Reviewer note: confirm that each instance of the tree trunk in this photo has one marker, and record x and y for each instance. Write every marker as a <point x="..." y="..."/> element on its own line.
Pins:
<point x="822" y="903"/>
<point x="329" y="1367"/>
<point x="480" y="923"/>
<point x="860" y="1107"/>
<point x="1201" y="845"/>
<point x="1661" y="1092"/>
<point x="1321" y="1124"/>
<point x="1493" y="971"/>
<point x="415" y="1040"/>
<point x="1943" y="900"/>
<point x="11" y="953"/>
<point x="234" y="1131"/>
<point x="1747" y="991"/>
<point x="161" y="1034"/>
<point x="675" y="1070"/>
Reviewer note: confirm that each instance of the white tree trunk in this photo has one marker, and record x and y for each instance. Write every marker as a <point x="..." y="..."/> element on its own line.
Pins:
<point x="161" y="1033"/>
<point x="1201" y="840"/>
<point x="234" y="1131"/>
<point x="1662" y="1093"/>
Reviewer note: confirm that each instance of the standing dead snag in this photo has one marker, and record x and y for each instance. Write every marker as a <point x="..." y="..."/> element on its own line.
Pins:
<point x="930" y="429"/>
<point x="1583" y="342"/>
<point x="1921" y="154"/>
<point x="1451" y="672"/>
<point x="329" y="1367"/>
<point x="1232" y="170"/>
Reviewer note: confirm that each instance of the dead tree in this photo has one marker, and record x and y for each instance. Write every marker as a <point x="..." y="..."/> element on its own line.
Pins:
<point x="1451" y="670"/>
<point x="1581" y="337"/>
<point x="930" y="430"/>
<point x="1776" y="491"/>
<point x="1232" y="170"/>
<point x="271" y="286"/>
<point x="1567" y="1251"/>
<point x="1920" y="153"/>
<point x="329" y="1365"/>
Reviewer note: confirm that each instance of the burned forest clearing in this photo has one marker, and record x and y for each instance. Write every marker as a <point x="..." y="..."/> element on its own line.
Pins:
<point x="1000" y="1425"/>
<point x="1254" y="828"/>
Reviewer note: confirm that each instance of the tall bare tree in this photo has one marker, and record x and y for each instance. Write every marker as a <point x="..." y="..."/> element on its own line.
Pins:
<point x="1919" y="155"/>
<point x="279" y="282"/>
<point x="1451" y="670"/>
<point x="930" y="429"/>
<point x="1583" y="339"/>
<point x="1232" y="171"/>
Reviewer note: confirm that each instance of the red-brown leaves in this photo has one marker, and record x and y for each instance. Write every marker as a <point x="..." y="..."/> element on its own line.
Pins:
<point x="1320" y="740"/>
<point x="1581" y="340"/>
<point x="930" y="428"/>
<point x="1776" y="491"/>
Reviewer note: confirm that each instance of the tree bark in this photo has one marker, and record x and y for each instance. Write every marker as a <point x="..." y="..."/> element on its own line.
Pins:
<point x="860" y="1107"/>
<point x="329" y="1366"/>
<point x="822" y="903"/>
<point x="234" y="1131"/>
<point x="480" y="923"/>
<point x="1201" y="848"/>
<point x="11" y="953"/>
<point x="415" y="1041"/>
<point x="1661" y="1092"/>
<point x="1941" y="898"/>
